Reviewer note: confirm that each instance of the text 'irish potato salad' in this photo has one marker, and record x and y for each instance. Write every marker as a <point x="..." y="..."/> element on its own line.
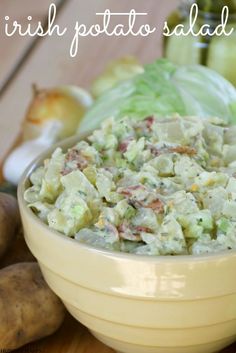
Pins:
<point x="153" y="187"/>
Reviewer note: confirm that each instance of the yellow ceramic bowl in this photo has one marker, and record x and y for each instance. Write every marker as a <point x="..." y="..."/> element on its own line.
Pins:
<point x="138" y="304"/>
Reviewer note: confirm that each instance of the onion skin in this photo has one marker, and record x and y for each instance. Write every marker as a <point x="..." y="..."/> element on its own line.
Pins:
<point x="66" y="104"/>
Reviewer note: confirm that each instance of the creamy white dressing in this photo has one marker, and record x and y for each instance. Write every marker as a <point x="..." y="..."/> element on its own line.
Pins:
<point x="155" y="187"/>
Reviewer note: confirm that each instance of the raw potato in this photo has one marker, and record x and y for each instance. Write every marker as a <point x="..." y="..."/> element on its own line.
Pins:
<point x="18" y="252"/>
<point x="29" y="310"/>
<point x="9" y="221"/>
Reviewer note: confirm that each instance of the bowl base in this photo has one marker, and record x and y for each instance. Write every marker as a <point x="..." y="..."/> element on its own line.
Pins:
<point x="125" y="347"/>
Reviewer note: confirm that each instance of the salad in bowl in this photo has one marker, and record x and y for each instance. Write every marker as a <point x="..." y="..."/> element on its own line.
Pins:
<point x="151" y="187"/>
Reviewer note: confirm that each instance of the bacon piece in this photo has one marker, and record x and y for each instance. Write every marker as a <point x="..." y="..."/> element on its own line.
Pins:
<point x="149" y="121"/>
<point x="126" y="233"/>
<point x="66" y="171"/>
<point x="157" y="205"/>
<point x="128" y="191"/>
<point x="141" y="229"/>
<point x="74" y="156"/>
<point x="123" y="146"/>
<point x="111" y="228"/>
<point x="122" y="227"/>
<point x="184" y="150"/>
<point x="132" y="234"/>
<point x="177" y="149"/>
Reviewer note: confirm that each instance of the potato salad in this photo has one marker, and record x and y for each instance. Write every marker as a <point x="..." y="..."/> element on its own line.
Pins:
<point x="151" y="187"/>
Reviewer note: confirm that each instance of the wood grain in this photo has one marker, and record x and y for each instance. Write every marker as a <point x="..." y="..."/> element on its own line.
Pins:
<point x="50" y="63"/>
<point x="72" y="337"/>
<point x="13" y="49"/>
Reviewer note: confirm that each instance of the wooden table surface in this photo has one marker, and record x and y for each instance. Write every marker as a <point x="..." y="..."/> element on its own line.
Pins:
<point x="46" y="61"/>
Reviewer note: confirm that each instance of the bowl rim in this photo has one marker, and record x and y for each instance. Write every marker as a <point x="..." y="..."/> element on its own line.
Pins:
<point x="115" y="254"/>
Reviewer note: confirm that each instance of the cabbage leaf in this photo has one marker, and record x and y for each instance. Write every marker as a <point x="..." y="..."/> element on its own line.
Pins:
<point x="162" y="90"/>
